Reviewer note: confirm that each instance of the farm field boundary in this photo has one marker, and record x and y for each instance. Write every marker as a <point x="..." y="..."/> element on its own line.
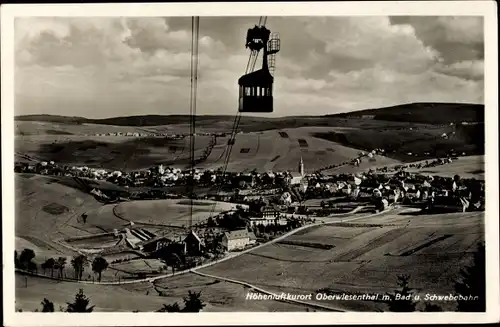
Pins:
<point x="261" y="290"/>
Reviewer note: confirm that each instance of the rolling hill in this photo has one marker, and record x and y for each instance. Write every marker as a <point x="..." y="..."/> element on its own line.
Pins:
<point x="263" y="151"/>
<point x="407" y="133"/>
<point x="428" y="113"/>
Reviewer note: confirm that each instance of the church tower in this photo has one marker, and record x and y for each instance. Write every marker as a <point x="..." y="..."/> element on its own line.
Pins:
<point x="301" y="167"/>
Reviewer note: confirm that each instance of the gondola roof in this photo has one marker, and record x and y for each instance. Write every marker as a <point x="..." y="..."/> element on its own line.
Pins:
<point x="260" y="77"/>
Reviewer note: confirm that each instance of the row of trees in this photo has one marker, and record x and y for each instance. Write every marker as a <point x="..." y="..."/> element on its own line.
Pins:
<point x="54" y="264"/>
<point x="276" y="228"/>
<point x="99" y="264"/>
<point x="24" y="261"/>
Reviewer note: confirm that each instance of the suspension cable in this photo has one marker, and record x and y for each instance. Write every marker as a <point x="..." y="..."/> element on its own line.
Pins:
<point x="252" y="60"/>
<point x="195" y="26"/>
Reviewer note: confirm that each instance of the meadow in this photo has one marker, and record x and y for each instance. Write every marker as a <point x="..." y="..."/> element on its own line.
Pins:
<point x="169" y="212"/>
<point x="269" y="150"/>
<point x="365" y="257"/>
<point x="219" y="296"/>
<point x="321" y="142"/>
<point x="36" y="196"/>
<point x="112" y="152"/>
<point x="262" y="147"/>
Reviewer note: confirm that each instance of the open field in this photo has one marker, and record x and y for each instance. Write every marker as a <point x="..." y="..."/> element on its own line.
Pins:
<point x="47" y="210"/>
<point x="66" y="129"/>
<point x="432" y="248"/>
<point x="263" y="151"/>
<point x="112" y="152"/>
<point x="321" y="142"/>
<point x="219" y="296"/>
<point x="169" y="212"/>
<point x="269" y="150"/>
<point x="410" y="142"/>
<point x="106" y="298"/>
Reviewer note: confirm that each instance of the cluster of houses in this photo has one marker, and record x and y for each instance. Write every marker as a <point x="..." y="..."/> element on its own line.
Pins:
<point x="137" y="134"/>
<point x="165" y="135"/>
<point x="285" y="187"/>
<point x="426" y="164"/>
<point x="188" y="243"/>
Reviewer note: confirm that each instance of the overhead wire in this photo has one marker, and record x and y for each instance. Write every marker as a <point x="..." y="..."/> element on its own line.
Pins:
<point x="252" y="60"/>
<point x="195" y="26"/>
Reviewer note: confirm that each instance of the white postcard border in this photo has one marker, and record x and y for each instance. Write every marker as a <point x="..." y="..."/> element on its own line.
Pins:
<point x="487" y="9"/>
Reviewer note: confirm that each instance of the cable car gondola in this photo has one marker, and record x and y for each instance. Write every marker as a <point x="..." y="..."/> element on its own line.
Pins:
<point x="256" y="88"/>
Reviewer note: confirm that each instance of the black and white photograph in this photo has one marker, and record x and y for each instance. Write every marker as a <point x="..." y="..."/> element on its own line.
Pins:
<point x="260" y="161"/>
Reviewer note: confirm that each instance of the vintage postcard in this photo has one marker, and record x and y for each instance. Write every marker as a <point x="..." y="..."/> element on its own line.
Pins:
<point x="239" y="163"/>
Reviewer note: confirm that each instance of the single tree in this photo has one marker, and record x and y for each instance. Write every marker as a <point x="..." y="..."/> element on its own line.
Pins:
<point x="193" y="302"/>
<point x="402" y="300"/>
<point x="25" y="258"/>
<point x="78" y="264"/>
<point x="44" y="266"/>
<point x="219" y="248"/>
<point x="47" y="306"/>
<point x="81" y="303"/>
<point x="49" y="264"/>
<point x="31" y="266"/>
<point x="61" y="263"/>
<point x="472" y="286"/>
<point x="99" y="265"/>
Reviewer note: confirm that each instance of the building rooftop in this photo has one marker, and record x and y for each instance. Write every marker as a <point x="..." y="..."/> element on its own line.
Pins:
<point x="195" y="236"/>
<point x="237" y="234"/>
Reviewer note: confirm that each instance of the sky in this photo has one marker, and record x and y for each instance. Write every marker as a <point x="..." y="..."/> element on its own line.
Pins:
<point x="106" y="67"/>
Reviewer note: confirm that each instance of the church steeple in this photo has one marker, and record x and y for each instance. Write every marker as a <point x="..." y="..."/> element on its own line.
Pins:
<point x="301" y="167"/>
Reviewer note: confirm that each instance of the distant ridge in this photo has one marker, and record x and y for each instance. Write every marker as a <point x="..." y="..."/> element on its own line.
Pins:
<point x="140" y="120"/>
<point x="428" y="113"/>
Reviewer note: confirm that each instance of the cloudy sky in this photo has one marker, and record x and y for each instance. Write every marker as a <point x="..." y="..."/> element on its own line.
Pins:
<point x="105" y="67"/>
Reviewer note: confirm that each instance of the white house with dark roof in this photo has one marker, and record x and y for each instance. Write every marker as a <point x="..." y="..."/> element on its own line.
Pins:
<point x="238" y="239"/>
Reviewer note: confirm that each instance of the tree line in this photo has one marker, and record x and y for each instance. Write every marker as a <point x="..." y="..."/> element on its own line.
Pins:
<point x="81" y="303"/>
<point x="24" y="261"/>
